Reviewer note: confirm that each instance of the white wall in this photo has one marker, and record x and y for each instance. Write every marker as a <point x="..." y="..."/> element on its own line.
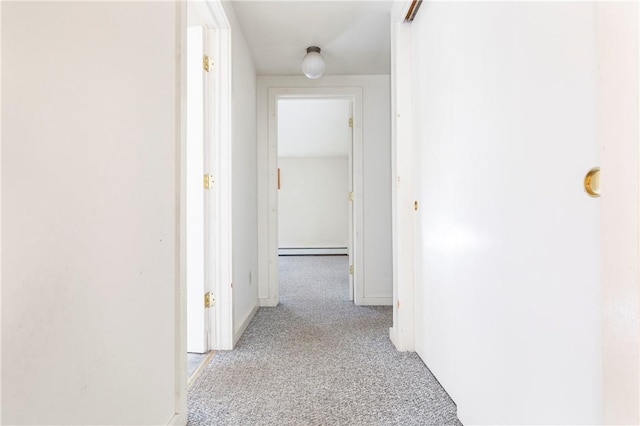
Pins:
<point x="507" y="253"/>
<point x="619" y="116"/>
<point x="377" y="172"/>
<point x="313" y="206"/>
<point x="314" y="147"/>
<point x="245" y="231"/>
<point x="89" y="212"/>
<point x="310" y="127"/>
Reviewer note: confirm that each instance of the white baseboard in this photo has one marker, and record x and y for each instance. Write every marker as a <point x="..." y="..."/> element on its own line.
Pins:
<point x="394" y="338"/>
<point x="377" y="301"/>
<point x="178" y="419"/>
<point x="244" y="324"/>
<point x="268" y="303"/>
<point x="298" y="251"/>
<point x="200" y="369"/>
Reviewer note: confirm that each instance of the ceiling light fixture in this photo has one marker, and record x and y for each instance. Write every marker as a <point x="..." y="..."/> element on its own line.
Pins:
<point x="313" y="64"/>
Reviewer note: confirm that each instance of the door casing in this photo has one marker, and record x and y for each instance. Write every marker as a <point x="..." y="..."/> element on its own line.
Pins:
<point x="212" y="16"/>
<point x="354" y="94"/>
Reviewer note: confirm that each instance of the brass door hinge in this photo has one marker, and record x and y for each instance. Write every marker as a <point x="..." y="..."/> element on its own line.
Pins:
<point x="351" y="122"/>
<point x="206" y="63"/>
<point x="208" y="181"/>
<point x="209" y="300"/>
<point x="351" y="196"/>
<point x="350" y="269"/>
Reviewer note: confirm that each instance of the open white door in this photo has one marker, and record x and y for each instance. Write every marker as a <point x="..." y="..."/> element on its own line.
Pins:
<point x="198" y="199"/>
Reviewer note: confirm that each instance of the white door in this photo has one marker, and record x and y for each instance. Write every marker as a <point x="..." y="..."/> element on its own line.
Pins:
<point x="199" y="328"/>
<point x="507" y="257"/>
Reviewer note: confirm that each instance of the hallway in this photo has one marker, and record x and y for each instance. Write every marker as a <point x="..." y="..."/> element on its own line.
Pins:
<point x="318" y="359"/>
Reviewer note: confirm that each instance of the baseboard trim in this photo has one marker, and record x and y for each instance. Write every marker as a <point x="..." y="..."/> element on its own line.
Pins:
<point x="268" y="303"/>
<point x="311" y="251"/>
<point x="244" y="324"/>
<point x="394" y="338"/>
<point x="200" y="368"/>
<point x="377" y="301"/>
<point x="178" y="419"/>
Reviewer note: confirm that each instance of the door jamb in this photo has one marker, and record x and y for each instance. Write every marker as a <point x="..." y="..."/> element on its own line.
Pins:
<point x="214" y="18"/>
<point x="403" y="329"/>
<point x="355" y="95"/>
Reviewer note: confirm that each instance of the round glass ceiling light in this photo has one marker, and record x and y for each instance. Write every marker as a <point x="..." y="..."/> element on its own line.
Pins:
<point x="313" y="65"/>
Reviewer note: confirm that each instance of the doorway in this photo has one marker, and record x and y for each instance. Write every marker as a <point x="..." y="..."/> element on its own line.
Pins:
<point x="205" y="187"/>
<point x="315" y="214"/>
<point x="269" y="287"/>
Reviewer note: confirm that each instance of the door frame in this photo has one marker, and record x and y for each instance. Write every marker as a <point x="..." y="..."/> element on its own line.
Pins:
<point x="212" y="16"/>
<point x="270" y="237"/>
<point x="402" y="333"/>
<point x="350" y="185"/>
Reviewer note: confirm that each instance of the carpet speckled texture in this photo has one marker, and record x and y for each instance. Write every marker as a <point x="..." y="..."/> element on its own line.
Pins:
<point x="317" y="359"/>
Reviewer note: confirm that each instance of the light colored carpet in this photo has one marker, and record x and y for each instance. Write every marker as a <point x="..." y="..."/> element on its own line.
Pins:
<point x="317" y="359"/>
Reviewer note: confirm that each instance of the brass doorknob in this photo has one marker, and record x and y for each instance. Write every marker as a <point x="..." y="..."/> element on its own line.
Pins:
<point x="592" y="182"/>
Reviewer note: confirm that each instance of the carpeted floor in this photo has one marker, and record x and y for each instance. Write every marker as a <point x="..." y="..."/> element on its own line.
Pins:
<point x="317" y="359"/>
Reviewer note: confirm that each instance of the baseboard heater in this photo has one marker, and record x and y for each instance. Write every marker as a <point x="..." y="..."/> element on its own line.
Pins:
<point x="306" y="251"/>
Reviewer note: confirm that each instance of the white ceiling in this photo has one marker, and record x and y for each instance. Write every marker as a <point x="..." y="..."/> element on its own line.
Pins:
<point x="353" y="35"/>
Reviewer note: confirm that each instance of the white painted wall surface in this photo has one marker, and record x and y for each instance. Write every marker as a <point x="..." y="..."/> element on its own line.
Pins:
<point x="244" y="184"/>
<point x="313" y="205"/>
<point x="314" y="127"/>
<point x="377" y="172"/>
<point x="507" y="267"/>
<point x="619" y="121"/>
<point x="89" y="212"/>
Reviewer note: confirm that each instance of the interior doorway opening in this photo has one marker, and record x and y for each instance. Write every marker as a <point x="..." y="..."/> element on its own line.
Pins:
<point x="204" y="295"/>
<point x="199" y="215"/>
<point x="269" y="286"/>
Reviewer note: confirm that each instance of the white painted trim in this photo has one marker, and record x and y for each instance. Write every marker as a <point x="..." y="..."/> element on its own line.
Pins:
<point x="268" y="230"/>
<point x="220" y="162"/>
<point x="393" y="336"/>
<point x="376" y="301"/>
<point x="198" y="371"/>
<point x="244" y="324"/>
<point x="350" y="220"/>
<point x="179" y="419"/>
<point x="312" y="251"/>
<point x="215" y="17"/>
<point x="177" y="312"/>
<point x="181" y="410"/>
<point x="403" y="331"/>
